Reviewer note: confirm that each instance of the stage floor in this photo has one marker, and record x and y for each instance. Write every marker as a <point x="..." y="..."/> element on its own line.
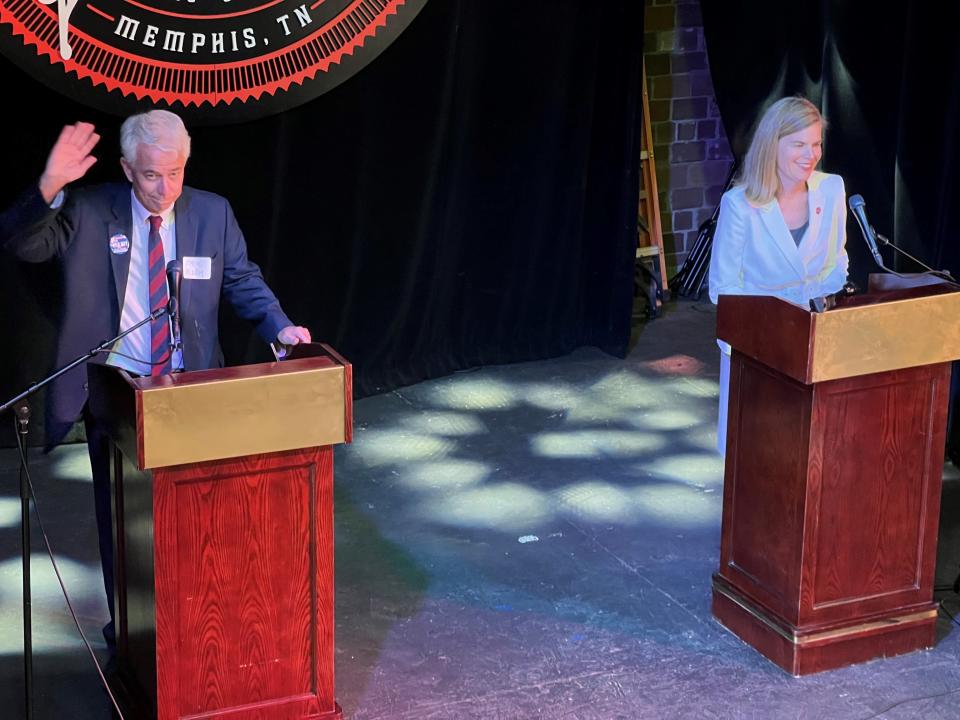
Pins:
<point x="523" y="541"/>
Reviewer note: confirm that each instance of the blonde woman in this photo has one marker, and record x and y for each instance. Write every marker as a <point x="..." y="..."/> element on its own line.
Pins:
<point x="781" y="230"/>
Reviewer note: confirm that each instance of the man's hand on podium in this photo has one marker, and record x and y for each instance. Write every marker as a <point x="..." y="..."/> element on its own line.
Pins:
<point x="287" y="338"/>
<point x="293" y="335"/>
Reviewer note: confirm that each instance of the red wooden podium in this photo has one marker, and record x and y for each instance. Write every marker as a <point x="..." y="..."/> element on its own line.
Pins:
<point x="835" y="450"/>
<point x="223" y="517"/>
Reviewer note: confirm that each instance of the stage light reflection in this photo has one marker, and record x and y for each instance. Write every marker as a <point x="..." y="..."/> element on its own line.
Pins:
<point x="593" y="412"/>
<point x="677" y="505"/>
<point x="626" y="389"/>
<point x="71" y="462"/>
<point x="612" y="397"/>
<point x="510" y="507"/>
<point x="9" y="512"/>
<point x="664" y="420"/>
<point x="599" y="501"/>
<point x="705" y="437"/>
<point x="551" y="397"/>
<point x="595" y="443"/>
<point x="475" y="394"/>
<point x="444" y="423"/>
<point x="52" y="626"/>
<point x="649" y="439"/>
<point x="692" y="387"/>
<point x="444" y="475"/>
<point x="697" y="469"/>
<point x="388" y="447"/>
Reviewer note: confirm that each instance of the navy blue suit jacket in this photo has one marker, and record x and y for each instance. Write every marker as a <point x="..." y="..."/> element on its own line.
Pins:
<point x="79" y="232"/>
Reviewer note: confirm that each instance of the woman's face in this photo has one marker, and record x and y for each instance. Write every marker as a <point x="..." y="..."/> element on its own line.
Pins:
<point x="798" y="154"/>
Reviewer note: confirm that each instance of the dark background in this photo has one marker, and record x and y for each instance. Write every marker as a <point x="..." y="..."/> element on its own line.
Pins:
<point x="468" y="198"/>
<point x="887" y="77"/>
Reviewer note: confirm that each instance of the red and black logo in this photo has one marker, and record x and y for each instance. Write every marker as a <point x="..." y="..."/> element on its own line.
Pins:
<point x="210" y="60"/>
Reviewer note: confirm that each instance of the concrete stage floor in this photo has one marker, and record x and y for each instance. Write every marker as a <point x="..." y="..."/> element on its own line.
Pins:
<point x="524" y="541"/>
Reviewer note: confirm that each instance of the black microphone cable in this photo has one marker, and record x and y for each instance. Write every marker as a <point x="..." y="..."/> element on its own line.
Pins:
<point x="56" y="569"/>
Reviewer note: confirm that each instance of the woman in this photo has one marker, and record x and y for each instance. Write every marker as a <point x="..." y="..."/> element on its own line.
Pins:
<point x="781" y="230"/>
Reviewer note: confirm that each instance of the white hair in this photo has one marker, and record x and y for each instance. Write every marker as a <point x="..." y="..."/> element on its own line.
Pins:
<point x="158" y="128"/>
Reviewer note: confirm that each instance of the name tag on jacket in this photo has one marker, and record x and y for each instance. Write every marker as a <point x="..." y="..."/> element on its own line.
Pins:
<point x="196" y="268"/>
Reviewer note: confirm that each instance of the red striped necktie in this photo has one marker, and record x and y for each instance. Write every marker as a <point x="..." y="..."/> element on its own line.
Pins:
<point x="157" y="275"/>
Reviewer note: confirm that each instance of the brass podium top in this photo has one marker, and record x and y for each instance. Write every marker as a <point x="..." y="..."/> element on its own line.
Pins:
<point x="230" y="412"/>
<point x="885" y="331"/>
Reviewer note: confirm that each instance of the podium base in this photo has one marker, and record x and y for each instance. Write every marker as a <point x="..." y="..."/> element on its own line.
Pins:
<point x="804" y="651"/>
<point x="134" y="704"/>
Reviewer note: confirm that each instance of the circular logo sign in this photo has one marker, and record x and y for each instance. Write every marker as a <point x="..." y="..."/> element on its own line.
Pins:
<point x="210" y="60"/>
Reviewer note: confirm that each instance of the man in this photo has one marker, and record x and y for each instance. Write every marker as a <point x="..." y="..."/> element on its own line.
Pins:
<point x="113" y="242"/>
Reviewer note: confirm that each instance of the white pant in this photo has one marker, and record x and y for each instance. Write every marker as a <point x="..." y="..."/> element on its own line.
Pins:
<point x="724" y="397"/>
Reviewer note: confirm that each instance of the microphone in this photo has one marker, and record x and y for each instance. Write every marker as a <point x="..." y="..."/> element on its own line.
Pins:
<point x="857" y="206"/>
<point x="174" y="277"/>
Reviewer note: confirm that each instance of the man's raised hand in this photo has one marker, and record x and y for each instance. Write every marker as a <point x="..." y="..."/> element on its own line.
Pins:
<point x="69" y="159"/>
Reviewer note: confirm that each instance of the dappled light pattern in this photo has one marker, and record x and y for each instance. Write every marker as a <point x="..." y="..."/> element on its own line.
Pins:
<point x="72" y="463"/>
<point x="561" y="396"/>
<point x="387" y="447"/>
<point x="675" y="504"/>
<point x="473" y="393"/>
<point x="444" y="423"/>
<point x="693" y="388"/>
<point x="604" y="441"/>
<point x="644" y="504"/>
<point x="665" y="419"/>
<point x="627" y="388"/>
<point x="597" y="500"/>
<point x="441" y="475"/>
<point x="9" y="512"/>
<point x="64" y="494"/>
<point x="697" y="469"/>
<point x="705" y="438"/>
<point x="52" y="626"/>
<point x="511" y="507"/>
<point x="595" y="443"/>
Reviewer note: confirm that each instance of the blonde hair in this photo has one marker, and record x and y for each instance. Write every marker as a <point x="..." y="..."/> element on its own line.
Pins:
<point x="157" y="128"/>
<point x="758" y="175"/>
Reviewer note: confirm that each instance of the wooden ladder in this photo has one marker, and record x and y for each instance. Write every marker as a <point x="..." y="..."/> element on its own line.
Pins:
<point x="649" y="232"/>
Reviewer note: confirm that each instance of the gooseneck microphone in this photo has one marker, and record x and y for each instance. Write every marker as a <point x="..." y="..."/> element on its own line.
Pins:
<point x="174" y="277"/>
<point x="857" y="206"/>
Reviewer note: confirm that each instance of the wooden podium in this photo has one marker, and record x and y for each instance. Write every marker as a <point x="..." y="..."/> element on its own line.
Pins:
<point x="222" y="485"/>
<point x="835" y="450"/>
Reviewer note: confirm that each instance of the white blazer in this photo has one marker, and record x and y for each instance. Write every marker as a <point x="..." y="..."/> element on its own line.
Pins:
<point x="755" y="254"/>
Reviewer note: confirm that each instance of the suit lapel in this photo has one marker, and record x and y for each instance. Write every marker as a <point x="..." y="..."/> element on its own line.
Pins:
<point x="121" y="225"/>
<point x="773" y="221"/>
<point x="186" y="224"/>
<point x="815" y="209"/>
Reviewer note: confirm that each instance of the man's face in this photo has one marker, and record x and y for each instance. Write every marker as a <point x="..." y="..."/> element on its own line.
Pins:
<point x="157" y="177"/>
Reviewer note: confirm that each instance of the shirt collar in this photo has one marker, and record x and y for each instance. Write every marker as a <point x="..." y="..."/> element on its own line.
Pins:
<point x="140" y="213"/>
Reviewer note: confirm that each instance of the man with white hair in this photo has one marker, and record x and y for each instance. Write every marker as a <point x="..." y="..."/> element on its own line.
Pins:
<point x="113" y="242"/>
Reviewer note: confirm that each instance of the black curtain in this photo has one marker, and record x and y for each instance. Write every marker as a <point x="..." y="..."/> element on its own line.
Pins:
<point x="469" y="198"/>
<point x="887" y="78"/>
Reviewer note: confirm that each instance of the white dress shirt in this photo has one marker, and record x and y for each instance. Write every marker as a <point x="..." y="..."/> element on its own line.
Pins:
<point x="136" y="299"/>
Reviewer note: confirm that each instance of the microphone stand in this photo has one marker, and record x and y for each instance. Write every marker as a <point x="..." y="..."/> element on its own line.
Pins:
<point x="942" y="274"/>
<point x="22" y="410"/>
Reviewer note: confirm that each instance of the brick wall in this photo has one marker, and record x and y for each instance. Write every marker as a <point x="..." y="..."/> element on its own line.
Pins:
<point x="691" y="151"/>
